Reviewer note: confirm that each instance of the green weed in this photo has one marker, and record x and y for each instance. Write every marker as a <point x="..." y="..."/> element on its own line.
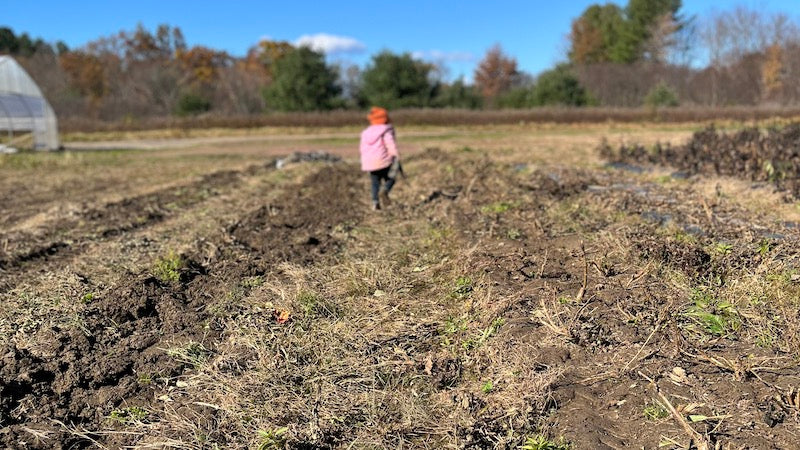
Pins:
<point x="481" y="338"/>
<point x="784" y="277"/>
<point x="711" y="315"/>
<point x="463" y="288"/>
<point x="308" y="300"/>
<point x="663" y="179"/>
<point x="252" y="282"/>
<point x="764" y="246"/>
<point x="571" y="216"/>
<point x="193" y="353"/>
<point x="455" y="325"/>
<point x="765" y="340"/>
<point x="242" y="289"/>
<point x="541" y="442"/>
<point x="566" y="300"/>
<point x="655" y="411"/>
<point x="272" y="439"/>
<point x="129" y="415"/>
<point x="723" y="248"/>
<point x="774" y="172"/>
<point x="487" y="387"/>
<point x="683" y="236"/>
<point x="497" y="208"/>
<point x="314" y="305"/>
<point x="437" y="236"/>
<point x="167" y="268"/>
<point x="452" y="327"/>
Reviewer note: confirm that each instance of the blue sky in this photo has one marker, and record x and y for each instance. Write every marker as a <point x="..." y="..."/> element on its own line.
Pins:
<point x="455" y="33"/>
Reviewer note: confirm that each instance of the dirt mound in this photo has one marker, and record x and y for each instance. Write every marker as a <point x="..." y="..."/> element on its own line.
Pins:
<point x="560" y="184"/>
<point x="79" y="375"/>
<point x="299" y="226"/>
<point x="772" y="156"/>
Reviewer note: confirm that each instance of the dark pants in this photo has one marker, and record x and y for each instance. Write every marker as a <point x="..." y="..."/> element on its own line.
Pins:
<point x="376" y="176"/>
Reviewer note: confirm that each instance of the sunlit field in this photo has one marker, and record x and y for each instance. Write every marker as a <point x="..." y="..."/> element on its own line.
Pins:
<point x="525" y="289"/>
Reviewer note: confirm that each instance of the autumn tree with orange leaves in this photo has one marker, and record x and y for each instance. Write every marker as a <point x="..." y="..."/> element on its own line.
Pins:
<point x="202" y="64"/>
<point x="86" y="73"/>
<point x="495" y="74"/>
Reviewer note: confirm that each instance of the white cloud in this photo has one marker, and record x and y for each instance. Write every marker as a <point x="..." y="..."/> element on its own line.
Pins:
<point x="438" y="55"/>
<point x="330" y="44"/>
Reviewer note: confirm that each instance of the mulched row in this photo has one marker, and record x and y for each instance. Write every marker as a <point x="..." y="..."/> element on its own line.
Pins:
<point x="771" y="155"/>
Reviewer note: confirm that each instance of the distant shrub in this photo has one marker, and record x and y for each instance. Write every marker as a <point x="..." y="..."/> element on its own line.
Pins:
<point x="521" y="97"/>
<point x="191" y="104"/>
<point x="661" y="95"/>
<point x="556" y="87"/>
<point x="458" y="95"/>
<point x="559" y="86"/>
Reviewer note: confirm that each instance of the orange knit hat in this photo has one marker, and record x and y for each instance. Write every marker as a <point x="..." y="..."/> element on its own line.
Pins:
<point x="378" y="116"/>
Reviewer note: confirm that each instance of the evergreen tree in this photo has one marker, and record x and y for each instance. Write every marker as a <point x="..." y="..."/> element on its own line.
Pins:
<point x="302" y="82"/>
<point x="8" y="41"/>
<point x="609" y="33"/>
<point x="397" y="81"/>
<point x="643" y="17"/>
<point x="596" y="36"/>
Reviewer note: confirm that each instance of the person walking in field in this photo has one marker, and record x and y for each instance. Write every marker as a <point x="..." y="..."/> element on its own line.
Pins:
<point x="379" y="155"/>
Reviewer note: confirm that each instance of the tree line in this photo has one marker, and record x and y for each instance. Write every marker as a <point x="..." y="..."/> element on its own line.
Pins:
<point x="643" y="53"/>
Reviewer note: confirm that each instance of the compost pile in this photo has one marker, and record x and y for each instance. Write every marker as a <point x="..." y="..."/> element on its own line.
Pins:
<point x="769" y="156"/>
<point x="298" y="157"/>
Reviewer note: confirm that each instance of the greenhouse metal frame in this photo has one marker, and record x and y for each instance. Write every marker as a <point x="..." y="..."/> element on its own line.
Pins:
<point x="23" y="108"/>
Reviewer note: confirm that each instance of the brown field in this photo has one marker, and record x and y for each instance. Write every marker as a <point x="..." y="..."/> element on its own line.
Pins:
<point x="174" y="289"/>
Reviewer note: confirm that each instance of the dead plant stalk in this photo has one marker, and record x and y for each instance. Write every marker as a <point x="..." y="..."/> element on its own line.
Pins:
<point x="700" y="442"/>
<point x="582" y="291"/>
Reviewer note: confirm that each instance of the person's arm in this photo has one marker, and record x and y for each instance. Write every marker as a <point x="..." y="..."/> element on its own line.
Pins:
<point x="391" y="144"/>
<point x="391" y="147"/>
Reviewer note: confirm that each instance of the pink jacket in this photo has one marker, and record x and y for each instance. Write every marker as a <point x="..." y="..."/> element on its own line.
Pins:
<point x="378" y="147"/>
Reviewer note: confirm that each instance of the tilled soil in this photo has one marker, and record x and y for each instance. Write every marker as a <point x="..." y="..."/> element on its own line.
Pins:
<point x="603" y="307"/>
<point x="603" y="284"/>
<point x="62" y="235"/>
<point x="76" y="375"/>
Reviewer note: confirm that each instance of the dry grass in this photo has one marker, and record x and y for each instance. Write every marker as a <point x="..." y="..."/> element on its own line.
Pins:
<point x="766" y="298"/>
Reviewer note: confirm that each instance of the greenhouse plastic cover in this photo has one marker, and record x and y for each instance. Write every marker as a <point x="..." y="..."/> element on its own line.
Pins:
<point x="24" y="108"/>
